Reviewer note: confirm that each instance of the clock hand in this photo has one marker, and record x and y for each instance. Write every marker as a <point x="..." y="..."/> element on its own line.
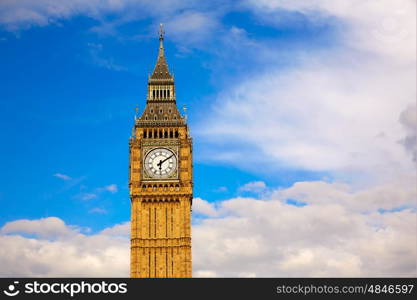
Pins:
<point x="162" y="161"/>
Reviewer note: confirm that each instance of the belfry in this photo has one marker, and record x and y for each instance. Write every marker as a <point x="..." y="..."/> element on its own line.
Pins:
<point x="160" y="182"/>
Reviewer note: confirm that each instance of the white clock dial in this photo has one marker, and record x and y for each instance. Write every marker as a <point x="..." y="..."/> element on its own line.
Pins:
<point x="160" y="163"/>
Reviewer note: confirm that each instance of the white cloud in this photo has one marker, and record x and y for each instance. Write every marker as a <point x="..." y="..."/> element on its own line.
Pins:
<point x="105" y="254"/>
<point x="45" y="228"/>
<point x="386" y="27"/>
<point x="87" y="196"/>
<point x="334" y="110"/>
<point x="192" y="27"/>
<point x="24" y="13"/>
<point x="341" y="232"/>
<point x="62" y="176"/>
<point x="202" y="273"/>
<point x="221" y="189"/>
<point x="98" y="58"/>
<point x="122" y="230"/>
<point x="203" y="207"/>
<point x="338" y="234"/>
<point x="98" y="210"/>
<point x="112" y="188"/>
<point x="254" y="186"/>
<point x="408" y="120"/>
<point x="393" y="195"/>
<point x="15" y="15"/>
<point x="317" y="118"/>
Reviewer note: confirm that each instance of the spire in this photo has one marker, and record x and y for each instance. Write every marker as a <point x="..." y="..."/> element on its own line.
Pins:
<point x="161" y="68"/>
<point x="161" y="40"/>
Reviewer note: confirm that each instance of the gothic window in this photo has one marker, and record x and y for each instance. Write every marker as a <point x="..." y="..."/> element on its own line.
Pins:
<point x="150" y="134"/>
<point x="165" y="133"/>
<point x="175" y="117"/>
<point x="176" y="133"/>
<point x="160" y="134"/>
<point x="155" y="117"/>
<point x="146" y="118"/>
<point x="168" y="93"/>
<point x="151" y="111"/>
<point x="166" y="118"/>
<point x="160" y="111"/>
<point x="144" y="134"/>
<point x="171" y="134"/>
<point x="170" y="111"/>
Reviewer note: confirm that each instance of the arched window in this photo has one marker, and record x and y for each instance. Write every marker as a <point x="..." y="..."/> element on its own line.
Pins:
<point x="166" y="133"/>
<point x="144" y="134"/>
<point x="176" y="133"/>
<point x="160" y="134"/>
<point x="171" y="133"/>
<point x="155" y="117"/>
<point x="168" y="93"/>
<point x="150" y="134"/>
<point x="153" y="93"/>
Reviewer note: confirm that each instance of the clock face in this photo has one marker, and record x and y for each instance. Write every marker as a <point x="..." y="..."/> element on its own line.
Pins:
<point x="160" y="163"/>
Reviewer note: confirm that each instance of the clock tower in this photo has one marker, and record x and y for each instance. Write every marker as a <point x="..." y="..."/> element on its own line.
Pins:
<point x="160" y="181"/>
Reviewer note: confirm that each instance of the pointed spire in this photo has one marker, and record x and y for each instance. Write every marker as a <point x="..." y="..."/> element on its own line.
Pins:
<point x="161" y="68"/>
<point x="161" y="40"/>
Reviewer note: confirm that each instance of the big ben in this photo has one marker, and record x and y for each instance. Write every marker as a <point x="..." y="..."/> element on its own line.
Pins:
<point x="160" y="181"/>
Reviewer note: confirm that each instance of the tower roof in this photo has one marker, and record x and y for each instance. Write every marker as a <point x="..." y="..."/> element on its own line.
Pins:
<point x="161" y="68"/>
<point x="161" y="108"/>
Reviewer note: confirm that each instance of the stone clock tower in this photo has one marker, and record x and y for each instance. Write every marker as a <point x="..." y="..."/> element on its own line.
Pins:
<point x="160" y="182"/>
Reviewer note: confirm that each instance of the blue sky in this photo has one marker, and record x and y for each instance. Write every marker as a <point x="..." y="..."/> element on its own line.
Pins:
<point x="68" y="98"/>
<point x="306" y="105"/>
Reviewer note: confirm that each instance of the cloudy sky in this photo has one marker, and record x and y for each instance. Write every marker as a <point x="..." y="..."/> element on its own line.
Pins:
<point x="303" y="115"/>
